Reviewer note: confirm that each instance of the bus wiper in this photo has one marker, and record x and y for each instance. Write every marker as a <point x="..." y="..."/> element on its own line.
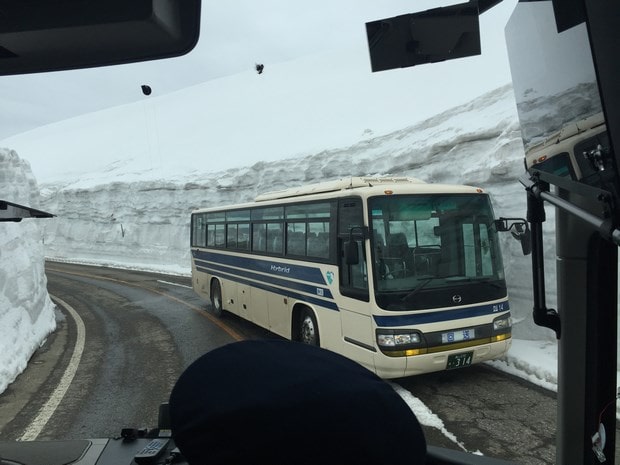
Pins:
<point x="471" y="279"/>
<point x="417" y="289"/>
<point x="493" y="282"/>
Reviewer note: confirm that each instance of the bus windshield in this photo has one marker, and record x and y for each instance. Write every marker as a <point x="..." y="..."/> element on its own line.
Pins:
<point x="428" y="246"/>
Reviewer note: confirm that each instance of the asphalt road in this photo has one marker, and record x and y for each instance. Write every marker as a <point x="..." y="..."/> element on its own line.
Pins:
<point x="142" y="330"/>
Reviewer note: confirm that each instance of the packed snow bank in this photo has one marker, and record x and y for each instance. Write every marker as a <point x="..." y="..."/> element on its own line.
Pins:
<point x="26" y="311"/>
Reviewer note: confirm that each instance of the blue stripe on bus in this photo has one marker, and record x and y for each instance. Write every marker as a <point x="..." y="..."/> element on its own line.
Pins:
<point x="310" y="289"/>
<point x="331" y="305"/>
<point x="223" y="269"/>
<point x="302" y="273"/>
<point x="441" y="315"/>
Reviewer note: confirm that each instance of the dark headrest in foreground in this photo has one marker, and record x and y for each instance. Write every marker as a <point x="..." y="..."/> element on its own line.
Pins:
<point x="276" y="402"/>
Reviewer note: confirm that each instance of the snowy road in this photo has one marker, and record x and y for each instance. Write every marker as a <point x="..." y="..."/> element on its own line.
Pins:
<point x="143" y="329"/>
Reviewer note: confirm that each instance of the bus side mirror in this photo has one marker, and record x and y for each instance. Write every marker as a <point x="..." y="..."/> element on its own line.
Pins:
<point x="519" y="229"/>
<point x="351" y="253"/>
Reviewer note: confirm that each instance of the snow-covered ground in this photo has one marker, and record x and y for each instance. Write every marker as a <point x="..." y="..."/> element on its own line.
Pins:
<point x="123" y="182"/>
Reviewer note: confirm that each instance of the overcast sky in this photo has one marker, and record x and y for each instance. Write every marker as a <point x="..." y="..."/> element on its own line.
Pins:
<point x="235" y="35"/>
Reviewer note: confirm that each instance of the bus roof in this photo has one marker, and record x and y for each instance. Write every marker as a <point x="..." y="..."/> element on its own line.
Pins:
<point x="371" y="185"/>
<point x="564" y="139"/>
<point x="332" y="186"/>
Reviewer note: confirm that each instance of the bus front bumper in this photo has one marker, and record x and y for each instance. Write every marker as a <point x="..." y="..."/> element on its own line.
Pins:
<point x="402" y="366"/>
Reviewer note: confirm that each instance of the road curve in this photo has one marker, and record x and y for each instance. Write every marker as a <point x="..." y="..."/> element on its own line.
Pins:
<point x="143" y="329"/>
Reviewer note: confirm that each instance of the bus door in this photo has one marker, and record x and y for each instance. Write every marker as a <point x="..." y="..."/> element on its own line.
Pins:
<point x="354" y="305"/>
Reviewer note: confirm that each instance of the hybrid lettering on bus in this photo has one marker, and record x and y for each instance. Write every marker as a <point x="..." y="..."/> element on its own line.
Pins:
<point x="399" y="275"/>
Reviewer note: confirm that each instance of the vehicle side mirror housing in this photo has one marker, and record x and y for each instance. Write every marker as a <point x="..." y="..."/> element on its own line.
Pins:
<point x="429" y="36"/>
<point x="519" y="229"/>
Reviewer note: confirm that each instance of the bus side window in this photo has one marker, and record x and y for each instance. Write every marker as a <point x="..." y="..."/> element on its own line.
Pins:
<point x="243" y="236"/>
<point x="318" y="239"/>
<point x="231" y="236"/>
<point x="220" y="235"/>
<point x="259" y="237"/>
<point x="199" y="230"/>
<point x="296" y="239"/>
<point x="274" y="238"/>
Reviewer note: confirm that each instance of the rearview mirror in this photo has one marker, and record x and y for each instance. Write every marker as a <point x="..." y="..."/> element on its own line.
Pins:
<point x="425" y="37"/>
<point x="519" y="229"/>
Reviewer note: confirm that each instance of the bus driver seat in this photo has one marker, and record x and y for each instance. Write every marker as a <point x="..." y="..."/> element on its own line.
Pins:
<point x="398" y="252"/>
<point x="282" y="402"/>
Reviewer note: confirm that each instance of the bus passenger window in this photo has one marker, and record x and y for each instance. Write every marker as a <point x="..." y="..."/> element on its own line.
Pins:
<point x="318" y="239"/>
<point x="231" y="236"/>
<point x="210" y="235"/>
<point x="296" y="239"/>
<point x="274" y="238"/>
<point x="259" y="237"/>
<point x="243" y="236"/>
<point x="199" y="230"/>
<point x="220" y="236"/>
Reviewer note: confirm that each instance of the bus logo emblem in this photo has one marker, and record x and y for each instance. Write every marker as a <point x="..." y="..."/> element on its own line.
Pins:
<point x="456" y="299"/>
<point x="330" y="277"/>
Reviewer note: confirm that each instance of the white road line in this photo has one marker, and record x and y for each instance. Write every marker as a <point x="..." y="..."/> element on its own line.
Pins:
<point x="174" y="284"/>
<point x="50" y="406"/>
<point x="424" y="415"/>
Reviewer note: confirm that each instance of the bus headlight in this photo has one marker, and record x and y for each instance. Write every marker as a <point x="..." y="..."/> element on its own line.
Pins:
<point x="502" y="328"/>
<point x="502" y="323"/>
<point x="393" y="340"/>
<point x="400" y="343"/>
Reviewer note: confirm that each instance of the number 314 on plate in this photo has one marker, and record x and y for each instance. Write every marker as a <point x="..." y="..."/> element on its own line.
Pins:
<point x="459" y="360"/>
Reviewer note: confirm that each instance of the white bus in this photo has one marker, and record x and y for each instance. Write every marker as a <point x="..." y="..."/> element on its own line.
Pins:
<point x="399" y="275"/>
<point x="577" y="151"/>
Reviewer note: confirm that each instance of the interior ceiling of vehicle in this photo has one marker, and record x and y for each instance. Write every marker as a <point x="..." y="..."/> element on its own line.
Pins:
<point x="54" y="35"/>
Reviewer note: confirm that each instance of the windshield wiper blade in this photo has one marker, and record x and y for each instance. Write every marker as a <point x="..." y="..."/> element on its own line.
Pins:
<point x="473" y="279"/>
<point x="493" y="282"/>
<point x="417" y="289"/>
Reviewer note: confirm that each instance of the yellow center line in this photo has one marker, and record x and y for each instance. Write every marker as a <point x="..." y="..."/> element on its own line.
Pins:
<point x="230" y="331"/>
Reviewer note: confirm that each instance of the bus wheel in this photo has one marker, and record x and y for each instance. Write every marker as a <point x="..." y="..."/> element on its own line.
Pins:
<point x="308" y="329"/>
<point x="216" y="298"/>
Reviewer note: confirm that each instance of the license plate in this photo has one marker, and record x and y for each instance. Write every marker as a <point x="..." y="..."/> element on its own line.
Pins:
<point x="459" y="360"/>
<point x="457" y="336"/>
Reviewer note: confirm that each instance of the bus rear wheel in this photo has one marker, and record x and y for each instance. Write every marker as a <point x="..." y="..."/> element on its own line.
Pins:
<point x="308" y="329"/>
<point x="216" y="298"/>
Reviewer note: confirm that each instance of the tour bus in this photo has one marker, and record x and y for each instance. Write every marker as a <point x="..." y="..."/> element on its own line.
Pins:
<point x="402" y="276"/>
<point x="575" y="151"/>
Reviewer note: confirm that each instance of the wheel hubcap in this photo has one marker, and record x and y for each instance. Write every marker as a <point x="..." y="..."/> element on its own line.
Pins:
<point x="307" y="330"/>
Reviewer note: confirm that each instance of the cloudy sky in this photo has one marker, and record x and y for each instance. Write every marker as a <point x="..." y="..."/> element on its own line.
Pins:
<point x="235" y="35"/>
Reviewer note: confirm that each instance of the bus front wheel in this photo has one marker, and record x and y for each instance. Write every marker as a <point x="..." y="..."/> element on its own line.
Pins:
<point x="308" y="329"/>
<point x="216" y="298"/>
